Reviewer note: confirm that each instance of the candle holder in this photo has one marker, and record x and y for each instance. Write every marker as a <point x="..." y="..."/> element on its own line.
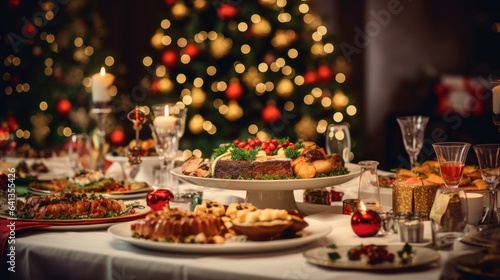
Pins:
<point x="168" y="128"/>
<point x="138" y="118"/>
<point x="100" y="112"/>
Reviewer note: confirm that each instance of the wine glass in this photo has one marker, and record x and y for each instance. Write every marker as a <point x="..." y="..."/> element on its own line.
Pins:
<point x="413" y="130"/>
<point x="338" y="140"/>
<point x="451" y="157"/>
<point x="168" y="124"/>
<point x="448" y="217"/>
<point x="488" y="156"/>
<point x="79" y="152"/>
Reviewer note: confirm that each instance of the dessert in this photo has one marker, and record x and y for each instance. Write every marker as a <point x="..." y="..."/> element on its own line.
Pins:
<point x="211" y="207"/>
<point x="180" y="226"/>
<point x="69" y="206"/>
<point x="271" y="159"/>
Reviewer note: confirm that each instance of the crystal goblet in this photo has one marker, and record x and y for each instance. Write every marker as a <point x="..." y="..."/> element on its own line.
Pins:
<point x="413" y="130"/>
<point x="451" y="157"/>
<point x="488" y="156"/>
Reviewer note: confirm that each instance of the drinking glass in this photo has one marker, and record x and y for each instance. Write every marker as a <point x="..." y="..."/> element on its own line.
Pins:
<point x="413" y="130"/>
<point x="488" y="156"/>
<point x="451" y="157"/>
<point x="369" y="190"/>
<point x="168" y="124"/>
<point x="338" y="140"/>
<point x="79" y="152"/>
<point x="448" y="217"/>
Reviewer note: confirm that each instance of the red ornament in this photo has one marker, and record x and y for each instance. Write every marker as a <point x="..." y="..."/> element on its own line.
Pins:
<point x="12" y="123"/>
<point x="169" y="58"/>
<point x="324" y="73"/>
<point x="154" y="86"/>
<point x="191" y="50"/>
<point x="365" y="223"/>
<point x="234" y="91"/>
<point x="271" y="114"/>
<point x="310" y="77"/>
<point x="227" y="11"/>
<point x="159" y="198"/>
<point x="117" y="137"/>
<point x="63" y="107"/>
<point x="170" y="2"/>
<point x="14" y="3"/>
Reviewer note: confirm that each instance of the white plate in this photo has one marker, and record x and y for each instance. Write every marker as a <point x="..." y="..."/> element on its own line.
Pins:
<point x="421" y="257"/>
<point x="153" y="159"/>
<point x="85" y="224"/>
<point x="313" y="231"/>
<point x="265" y="185"/>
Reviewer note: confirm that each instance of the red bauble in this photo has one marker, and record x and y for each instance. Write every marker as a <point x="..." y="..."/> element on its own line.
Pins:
<point x="271" y="114"/>
<point x="310" y="77"/>
<point x="117" y="137"/>
<point x="12" y="123"/>
<point x="159" y="198"/>
<point x="169" y="58"/>
<point x="63" y="107"/>
<point x="191" y="50"/>
<point x="324" y="73"/>
<point x="170" y="2"/>
<point x="154" y="86"/>
<point x="234" y="91"/>
<point x="365" y="223"/>
<point x="227" y="11"/>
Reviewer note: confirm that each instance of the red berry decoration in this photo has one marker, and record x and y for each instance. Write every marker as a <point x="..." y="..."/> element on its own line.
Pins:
<point x="117" y="137"/>
<point x="234" y="91"/>
<point x="63" y="107"/>
<point x="227" y="11"/>
<point x="365" y="223"/>
<point x="271" y="114"/>
<point x="159" y="198"/>
<point x="169" y="58"/>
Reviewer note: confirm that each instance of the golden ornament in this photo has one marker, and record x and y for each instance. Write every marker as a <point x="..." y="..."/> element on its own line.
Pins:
<point x="220" y="46"/>
<point x="199" y="97"/>
<point x="234" y="111"/>
<point x="165" y="85"/>
<point x="285" y="88"/>
<point x="261" y="28"/>
<point x="179" y="10"/>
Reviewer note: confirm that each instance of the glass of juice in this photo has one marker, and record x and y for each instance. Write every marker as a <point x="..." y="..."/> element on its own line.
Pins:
<point x="451" y="157"/>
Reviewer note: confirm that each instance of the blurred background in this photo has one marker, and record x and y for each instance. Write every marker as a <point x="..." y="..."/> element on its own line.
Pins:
<point x="267" y="68"/>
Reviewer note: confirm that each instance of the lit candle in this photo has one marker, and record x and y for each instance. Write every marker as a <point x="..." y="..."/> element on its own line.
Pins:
<point x="496" y="99"/>
<point x="165" y="122"/>
<point x="101" y="82"/>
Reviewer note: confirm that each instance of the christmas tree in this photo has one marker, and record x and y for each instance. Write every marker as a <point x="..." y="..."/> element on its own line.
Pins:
<point x="266" y="68"/>
<point x="49" y="50"/>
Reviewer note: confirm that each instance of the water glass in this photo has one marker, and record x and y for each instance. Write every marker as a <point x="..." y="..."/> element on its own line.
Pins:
<point x="338" y="141"/>
<point x="79" y="152"/>
<point x="411" y="229"/>
<point x="448" y="217"/>
<point x="368" y="189"/>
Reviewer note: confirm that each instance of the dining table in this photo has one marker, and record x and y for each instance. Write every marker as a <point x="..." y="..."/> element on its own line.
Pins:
<point x="94" y="252"/>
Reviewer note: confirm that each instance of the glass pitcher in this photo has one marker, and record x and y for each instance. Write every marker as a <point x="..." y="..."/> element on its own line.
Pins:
<point x="368" y="190"/>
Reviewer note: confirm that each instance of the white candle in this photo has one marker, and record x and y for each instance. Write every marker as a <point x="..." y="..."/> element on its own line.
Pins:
<point x="496" y="99"/>
<point x="166" y="122"/>
<point x="101" y="82"/>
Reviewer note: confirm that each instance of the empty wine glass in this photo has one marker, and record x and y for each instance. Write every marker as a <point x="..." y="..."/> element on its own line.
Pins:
<point x="488" y="156"/>
<point x="413" y="130"/>
<point x="338" y="140"/>
<point x="451" y="157"/>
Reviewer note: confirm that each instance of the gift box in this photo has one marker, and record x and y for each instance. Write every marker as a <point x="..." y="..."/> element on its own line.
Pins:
<point x="414" y="195"/>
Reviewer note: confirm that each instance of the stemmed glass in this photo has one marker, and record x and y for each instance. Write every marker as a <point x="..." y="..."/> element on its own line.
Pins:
<point x="338" y="140"/>
<point x="169" y="124"/>
<point x="413" y="130"/>
<point x="488" y="156"/>
<point x="451" y="157"/>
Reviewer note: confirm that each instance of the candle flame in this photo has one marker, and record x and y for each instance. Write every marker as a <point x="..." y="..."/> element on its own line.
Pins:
<point x="167" y="112"/>
<point x="103" y="71"/>
<point x="361" y="207"/>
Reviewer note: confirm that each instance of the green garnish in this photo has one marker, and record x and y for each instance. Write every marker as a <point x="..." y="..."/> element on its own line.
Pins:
<point x="406" y="253"/>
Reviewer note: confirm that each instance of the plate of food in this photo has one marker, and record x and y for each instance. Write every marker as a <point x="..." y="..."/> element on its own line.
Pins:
<point x="74" y="211"/>
<point x="214" y="231"/>
<point x="372" y="257"/>
<point x="88" y="181"/>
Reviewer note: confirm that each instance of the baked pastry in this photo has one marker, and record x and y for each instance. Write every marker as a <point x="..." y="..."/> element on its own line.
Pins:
<point x="211" y="207"/>
<point x="180" y="226"/>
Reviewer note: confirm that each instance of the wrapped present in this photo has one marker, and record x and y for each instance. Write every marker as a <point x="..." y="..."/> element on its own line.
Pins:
<point x="414" y="195"/>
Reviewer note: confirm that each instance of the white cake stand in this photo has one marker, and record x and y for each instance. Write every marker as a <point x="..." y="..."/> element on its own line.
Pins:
<point x="270" y="193"/>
